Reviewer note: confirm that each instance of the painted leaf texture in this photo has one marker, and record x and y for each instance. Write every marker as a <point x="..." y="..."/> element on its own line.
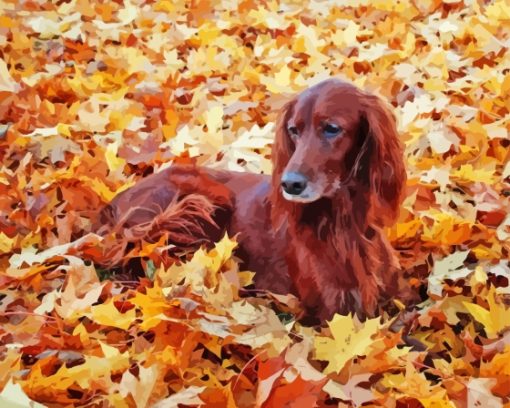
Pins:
<point x="95" y="95"/>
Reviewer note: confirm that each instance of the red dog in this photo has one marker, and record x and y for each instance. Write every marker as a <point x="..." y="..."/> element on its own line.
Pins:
<point x="315" y="227"/>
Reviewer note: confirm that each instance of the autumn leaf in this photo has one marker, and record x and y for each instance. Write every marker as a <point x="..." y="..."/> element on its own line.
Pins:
<point x="350" y="338"/>
<point x="495" y="319"/>
<point x="448" y="267"/>
<point x="188" y="396"/>
<point x="13" y="396"/>
<point x="6" y="243"/>
<point x="108" y="315"/>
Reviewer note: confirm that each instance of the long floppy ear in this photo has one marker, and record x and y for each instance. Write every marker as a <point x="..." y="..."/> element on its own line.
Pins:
<point x="282" y="150"/>
<point x="386" y="170"/>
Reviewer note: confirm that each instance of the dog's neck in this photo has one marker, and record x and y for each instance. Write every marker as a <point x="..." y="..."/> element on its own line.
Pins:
<point x="343" y="214"/>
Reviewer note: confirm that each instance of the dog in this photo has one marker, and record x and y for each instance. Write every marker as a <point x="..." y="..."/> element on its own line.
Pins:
<point x="315" y="227"/>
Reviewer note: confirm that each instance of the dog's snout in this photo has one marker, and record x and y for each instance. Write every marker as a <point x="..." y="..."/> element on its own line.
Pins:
<point x="294" y="183"/>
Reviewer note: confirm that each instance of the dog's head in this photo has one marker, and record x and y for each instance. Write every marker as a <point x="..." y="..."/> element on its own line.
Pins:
<point x="331" y="136"/>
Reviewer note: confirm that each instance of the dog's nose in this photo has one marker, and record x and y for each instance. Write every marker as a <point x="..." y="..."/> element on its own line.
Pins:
<point x="294" y="183"/>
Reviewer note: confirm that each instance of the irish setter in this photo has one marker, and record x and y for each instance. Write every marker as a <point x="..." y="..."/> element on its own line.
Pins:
<point x="315" y="228"/>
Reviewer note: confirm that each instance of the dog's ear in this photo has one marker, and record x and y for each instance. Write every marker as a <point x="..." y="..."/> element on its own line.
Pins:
<point x="282" y="150"/>
<point x="384" y="160"/>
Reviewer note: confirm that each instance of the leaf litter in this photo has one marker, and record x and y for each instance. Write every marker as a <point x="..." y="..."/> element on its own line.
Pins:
<point x="96" y="95"/>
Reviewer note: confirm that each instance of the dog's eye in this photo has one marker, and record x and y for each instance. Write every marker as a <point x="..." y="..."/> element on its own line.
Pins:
<point x="293" y="131"/>
<point x="331" y="130"/>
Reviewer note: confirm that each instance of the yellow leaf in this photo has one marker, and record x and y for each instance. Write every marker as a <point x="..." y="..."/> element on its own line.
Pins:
<point x="114" y="162"/>
<point x="102" y="189"/>
<point x="64" y="130"/>
<point x="467" y="173"/>
<point x="447" y="229"/>
<point x="279" y="82"/>
<point x="480" y="314"/>
<point x="108" y="315"/>
<point x="168" y="356"/>
<point x="440" y="401"/>
<point x="483" y="252"/>
<point x="95" y="370"/>
<point x="120" y="120"/>
<point x="152" y="304"/>
<point x="214" y="122"/>
<point x="245" y="278"/>
<point x="405" y="230"/>
<point x="496" y="319"/>
<point x="222" y="251"/>
<point x="208" y="33"/>
<point x="6" y="243"/>
<point x="479" y="277"/>
<point x="109" y="352"/>
<point x="349" y="340"/>
<point x="81" y="331"/>
<point x="164" y="5"/>
<point x="414" y="384"/>
<point x="498" y="10"/>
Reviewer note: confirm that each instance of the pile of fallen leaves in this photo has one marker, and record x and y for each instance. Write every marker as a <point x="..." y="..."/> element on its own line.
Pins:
<point x="95" y="95"/>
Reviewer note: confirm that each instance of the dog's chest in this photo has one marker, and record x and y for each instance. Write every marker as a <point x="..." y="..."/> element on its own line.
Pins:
<point x="261" y="249"/>
<point x="318" y="259"/>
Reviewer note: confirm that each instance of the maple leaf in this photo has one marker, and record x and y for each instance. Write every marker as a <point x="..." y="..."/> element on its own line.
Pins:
<point x="141" y="387"/>
<point x="495" y="319"/>
<point x="6" y="243"/>
<point x="415" y="385"/>
<point x="108" y="315"/>
<point x="450" y="267"/>
<point x="153" y="305"/>
<point x="349" y="339"/>
<point x="283" y="385"/>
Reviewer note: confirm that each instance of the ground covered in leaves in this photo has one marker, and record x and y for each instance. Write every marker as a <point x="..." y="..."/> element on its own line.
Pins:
<point x="95" y="95"/>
